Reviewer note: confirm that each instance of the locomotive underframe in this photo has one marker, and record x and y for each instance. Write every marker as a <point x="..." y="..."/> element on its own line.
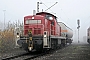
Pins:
<point x="38" y="44"/>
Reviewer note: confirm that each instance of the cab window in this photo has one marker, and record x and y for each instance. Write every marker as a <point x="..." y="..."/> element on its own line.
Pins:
<point x="49" y="17"/>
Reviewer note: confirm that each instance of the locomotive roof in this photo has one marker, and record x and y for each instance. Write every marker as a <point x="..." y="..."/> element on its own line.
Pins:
<point x="65" y="25"/>
<point x="45" y="13"/>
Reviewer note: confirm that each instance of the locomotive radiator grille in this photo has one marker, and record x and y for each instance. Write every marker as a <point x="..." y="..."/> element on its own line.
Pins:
<point x="37" y="31"/>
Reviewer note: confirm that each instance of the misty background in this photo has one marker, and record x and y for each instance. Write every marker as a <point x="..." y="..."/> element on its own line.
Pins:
<point x="67" y="11"/>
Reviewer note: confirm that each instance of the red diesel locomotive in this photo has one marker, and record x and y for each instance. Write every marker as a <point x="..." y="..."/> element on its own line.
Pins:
<point x="41" y="32"/>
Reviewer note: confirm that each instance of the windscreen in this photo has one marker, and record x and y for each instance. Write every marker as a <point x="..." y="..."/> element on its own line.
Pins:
<point x="32" y="21"/>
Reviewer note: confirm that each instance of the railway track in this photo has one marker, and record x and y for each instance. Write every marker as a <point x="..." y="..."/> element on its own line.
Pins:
<point x="28" y="56"/>
<point x="45" y="53"/>
<point x="35" y="56"/>
<point x="13" y="57"/>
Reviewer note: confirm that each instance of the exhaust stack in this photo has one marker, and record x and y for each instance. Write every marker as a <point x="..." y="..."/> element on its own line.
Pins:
<point x="34" y="12"/>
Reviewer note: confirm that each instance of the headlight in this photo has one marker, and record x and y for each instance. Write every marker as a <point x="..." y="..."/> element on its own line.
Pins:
<point x="17" y="36"/>
<point x="30" y="48"/>
<point x="44" y="35"/>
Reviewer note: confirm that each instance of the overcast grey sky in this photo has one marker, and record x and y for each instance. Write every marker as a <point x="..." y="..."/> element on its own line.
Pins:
<point x="67" y="11"/>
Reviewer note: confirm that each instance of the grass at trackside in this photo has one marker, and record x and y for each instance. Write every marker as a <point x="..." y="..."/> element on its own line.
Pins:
<point x="7" y="40"/>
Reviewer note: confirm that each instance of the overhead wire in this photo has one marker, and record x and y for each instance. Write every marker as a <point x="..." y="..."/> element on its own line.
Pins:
<point x="51" y="6"/>
<point x="65" y="14"/>
<point x="85" y="23"/>
<point x="52" y="11"/>
<point x="46" y="6"/>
